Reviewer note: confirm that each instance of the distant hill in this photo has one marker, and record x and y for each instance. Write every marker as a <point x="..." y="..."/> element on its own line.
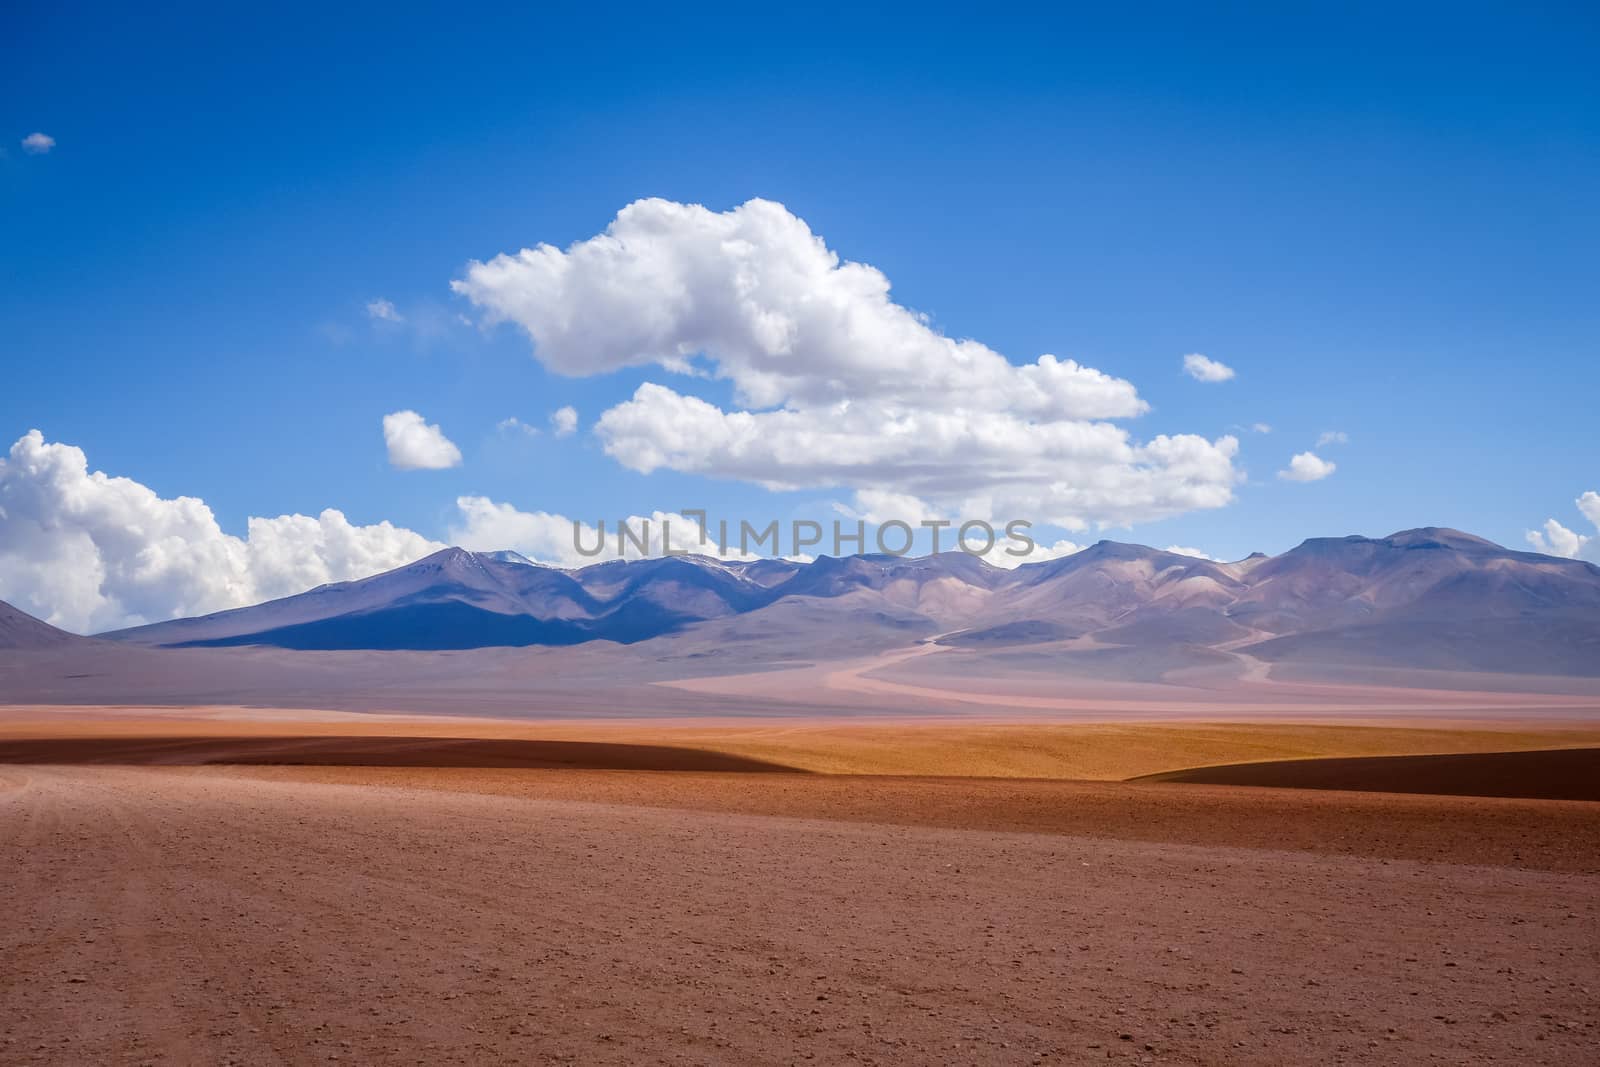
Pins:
<point x="21" y="631"/>
<point x="455" y="599"/>
<point x="1429" y="598"/>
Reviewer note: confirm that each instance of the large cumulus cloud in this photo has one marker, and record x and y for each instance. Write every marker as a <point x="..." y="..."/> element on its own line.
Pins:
<point x="836" y="384"/>
<point x="89" y="552"/>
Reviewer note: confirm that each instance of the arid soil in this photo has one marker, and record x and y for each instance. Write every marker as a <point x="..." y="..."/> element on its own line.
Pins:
<point x="1531" y="834"/>
<point x="211" y="915"/>
<point x="390" y="890"/>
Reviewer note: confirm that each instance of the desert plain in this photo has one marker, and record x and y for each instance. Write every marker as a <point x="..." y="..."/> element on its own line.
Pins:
<point x="255" y="885"/>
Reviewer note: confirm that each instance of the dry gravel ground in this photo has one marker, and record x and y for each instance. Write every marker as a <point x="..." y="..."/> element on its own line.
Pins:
<point x="216" y="915"/>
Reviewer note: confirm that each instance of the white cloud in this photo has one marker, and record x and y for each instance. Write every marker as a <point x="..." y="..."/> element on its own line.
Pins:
<point x="1589" y="504"/>
<point x="836" y="384"/>
<point x="1308" y="467"/>
<point x="1556" y="540"/>
<point x="384" y="311"/>
<point x="878" y="507"/>
<point x="756" y="292"/>
<point x="486" y="526"/>
<point x="1204" y="369"/>
<point x="564" y="421"/>
<point x="291" y="553"/>
<point x="415" y="444"/>
<point x="91" y="552"/>
<point x="515" y="425"/>
<point x="1182" y="550"/>
<point x="1261" y="427"/>
<point x="1064" y="472"/>
<point x="483" y="525"/>
<point x="37" y="144"/>
<point x="999" y="557"/>
<point x="1333" y="437"/>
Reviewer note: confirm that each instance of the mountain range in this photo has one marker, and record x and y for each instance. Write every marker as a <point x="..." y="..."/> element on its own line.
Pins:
<point x="1429" y="598"/>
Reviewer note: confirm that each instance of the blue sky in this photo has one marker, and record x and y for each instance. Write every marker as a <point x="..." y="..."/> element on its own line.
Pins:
<point x="1383" y="221"/>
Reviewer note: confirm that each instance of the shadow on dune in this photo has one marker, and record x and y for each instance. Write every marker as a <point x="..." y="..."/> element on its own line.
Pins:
<point x="378" y="752"/>
<point x="1547" y="774"/>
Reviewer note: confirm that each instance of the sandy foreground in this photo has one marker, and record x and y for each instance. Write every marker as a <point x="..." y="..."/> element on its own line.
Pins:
<point x="200" y="915"/>
<point x="629" y="902"/>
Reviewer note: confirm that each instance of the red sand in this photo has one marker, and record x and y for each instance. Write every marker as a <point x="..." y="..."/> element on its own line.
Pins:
<point x="247" y="915"/>
<point x="391" y="890"/>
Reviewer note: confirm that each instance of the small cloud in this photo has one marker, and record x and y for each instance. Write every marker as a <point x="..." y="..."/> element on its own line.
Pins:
<point x="1184" y="550"/>
<point x="37" y="144"/>
<point x="414" y="444"/>
<point x="1204" y="369"/>
<point x="1307" y="467"/>
<point x="683" y="365"/>
<point x="1556" y="540"/>
<point x="1333" y="437"/>
<point x="1589" y="504"/>
<point x="1260" y="427"/>
<point x="877" y="507"/>
<point x="564" y="421"/>
<point x="516" y="425"/>
<point x="383" y="310"/>
<point x="999" y="557"/>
